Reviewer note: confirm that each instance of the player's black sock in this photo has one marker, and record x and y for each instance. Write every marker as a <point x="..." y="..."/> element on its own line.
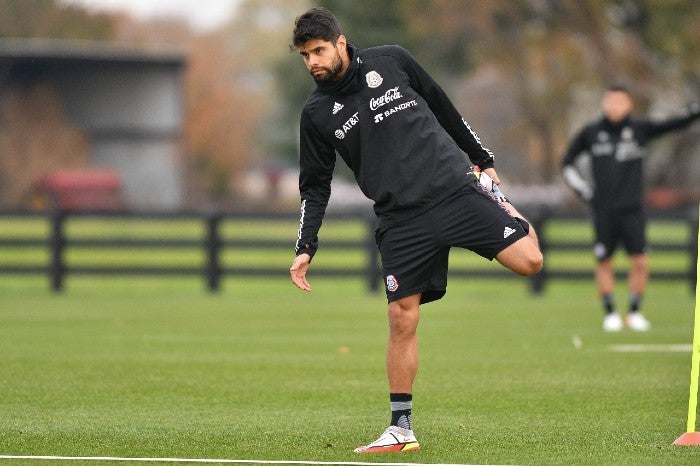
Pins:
<point x="635" y="302"/>
<point x="609" y="303"/>
<point x="401" y="405"/>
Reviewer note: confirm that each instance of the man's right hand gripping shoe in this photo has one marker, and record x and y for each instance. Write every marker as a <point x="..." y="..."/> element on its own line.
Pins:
<point x="393" y="439"/>
<point x="489" y="185"/>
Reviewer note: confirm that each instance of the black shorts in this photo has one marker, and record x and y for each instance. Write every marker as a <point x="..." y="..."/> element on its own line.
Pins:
<point x="415" y="253"/>
<point x="613" y="227"/>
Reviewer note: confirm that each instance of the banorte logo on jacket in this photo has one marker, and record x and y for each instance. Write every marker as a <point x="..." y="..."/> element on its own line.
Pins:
<point x="374" y="79"/>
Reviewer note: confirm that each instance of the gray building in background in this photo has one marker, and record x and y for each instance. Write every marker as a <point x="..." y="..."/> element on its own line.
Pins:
<point x="129" y="101"/>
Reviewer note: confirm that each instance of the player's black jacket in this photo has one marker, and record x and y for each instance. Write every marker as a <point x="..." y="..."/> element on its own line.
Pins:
<point x="395" y="128"/>
<point x="616" y="153"/>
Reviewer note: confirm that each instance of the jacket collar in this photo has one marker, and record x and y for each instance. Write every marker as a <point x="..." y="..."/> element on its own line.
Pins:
<point x="616" y="127"/>
<point x="350" y="82"/>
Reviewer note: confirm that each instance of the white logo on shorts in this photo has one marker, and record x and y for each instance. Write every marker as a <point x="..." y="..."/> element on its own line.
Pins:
<point x="600" y="251"/>
<point x="391" y="283"/>
<point x="508" y="231"/>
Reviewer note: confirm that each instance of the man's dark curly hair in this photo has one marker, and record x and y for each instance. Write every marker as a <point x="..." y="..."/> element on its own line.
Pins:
<point x="618" y="87"/>
<point x="316" y="23"/>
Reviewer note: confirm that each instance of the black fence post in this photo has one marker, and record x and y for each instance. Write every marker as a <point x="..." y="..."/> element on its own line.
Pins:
<point x="373" y="269"/>
<point x="213" y="245"/>
<point x="537" y="281"/>
<point x="57" y="244"/>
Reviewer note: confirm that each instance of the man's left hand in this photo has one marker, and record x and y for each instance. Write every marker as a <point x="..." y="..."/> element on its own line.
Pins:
<point x="492" y="173"/>
<point x="298" y="271"/>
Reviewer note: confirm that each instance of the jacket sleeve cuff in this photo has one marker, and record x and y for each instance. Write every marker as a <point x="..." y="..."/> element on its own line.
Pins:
<point x="486" y="164"/>
<point x="307" y="249"/>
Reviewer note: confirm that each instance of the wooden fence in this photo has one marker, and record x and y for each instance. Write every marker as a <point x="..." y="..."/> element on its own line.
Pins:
<point x="212" y="244"/>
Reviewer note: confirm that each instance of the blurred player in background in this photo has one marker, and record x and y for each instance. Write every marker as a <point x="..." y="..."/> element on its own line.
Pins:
<point x="404" y="140"/>
<point x="616" y="143"/>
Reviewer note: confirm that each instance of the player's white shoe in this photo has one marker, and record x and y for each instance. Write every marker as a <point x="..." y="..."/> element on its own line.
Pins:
<point x="637" y="322"/>
<point x="489" y="185"/>
<point x="612" y="322"/>
<point x="393" y="439"/>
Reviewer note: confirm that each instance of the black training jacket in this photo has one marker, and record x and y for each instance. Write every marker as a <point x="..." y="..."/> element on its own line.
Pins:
<point x="397" y="131"/>
<point x="617" y="151"/>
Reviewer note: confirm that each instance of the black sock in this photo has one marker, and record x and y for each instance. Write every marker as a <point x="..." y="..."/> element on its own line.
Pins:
<point x="401" y="405"/>
<point x="609" y="303"/>
<point x="635" y="302"/>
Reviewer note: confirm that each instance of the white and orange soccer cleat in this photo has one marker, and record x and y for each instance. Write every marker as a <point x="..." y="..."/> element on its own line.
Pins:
<point x="393" y="439"/>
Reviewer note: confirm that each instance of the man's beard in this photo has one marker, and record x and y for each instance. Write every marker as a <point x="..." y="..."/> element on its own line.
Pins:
<point x="330" y="73"/>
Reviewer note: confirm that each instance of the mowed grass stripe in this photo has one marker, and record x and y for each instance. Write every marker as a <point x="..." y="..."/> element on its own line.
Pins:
<point x="159" y="368"/>
<point x="209" y="460"/>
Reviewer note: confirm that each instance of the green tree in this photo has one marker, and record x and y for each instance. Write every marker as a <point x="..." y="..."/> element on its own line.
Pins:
<point x="368" y="24"/>
<point x="259" y="36"/>
<point x="670" y="31"/>
<point x="558" y="55"/>
<point x="365" y="24"/>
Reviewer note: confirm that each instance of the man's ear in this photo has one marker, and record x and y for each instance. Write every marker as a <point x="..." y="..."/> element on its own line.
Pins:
<point x="342" y="42"/>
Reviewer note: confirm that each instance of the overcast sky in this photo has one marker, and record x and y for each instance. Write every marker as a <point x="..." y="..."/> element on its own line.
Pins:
<point x="202" y="14"/>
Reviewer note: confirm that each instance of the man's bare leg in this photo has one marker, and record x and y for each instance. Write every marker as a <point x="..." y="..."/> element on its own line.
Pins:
<point x="524" y="256"/>
<point x="605" y="281"/>
<point x="639" y="274"/>
<point x="402" y="348"/>
<point x="514" y="212"/>
<point x="604" y="277"/>
<point x="402" y="366"/>
<point x="638" y="278"/>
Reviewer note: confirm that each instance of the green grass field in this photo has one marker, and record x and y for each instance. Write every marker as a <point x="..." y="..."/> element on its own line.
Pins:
<point x="160" y="368"/>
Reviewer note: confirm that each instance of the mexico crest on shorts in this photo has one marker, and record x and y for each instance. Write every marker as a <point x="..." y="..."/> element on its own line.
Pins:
<point x="391" y="283"/>
<point x="374" y="79"/>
